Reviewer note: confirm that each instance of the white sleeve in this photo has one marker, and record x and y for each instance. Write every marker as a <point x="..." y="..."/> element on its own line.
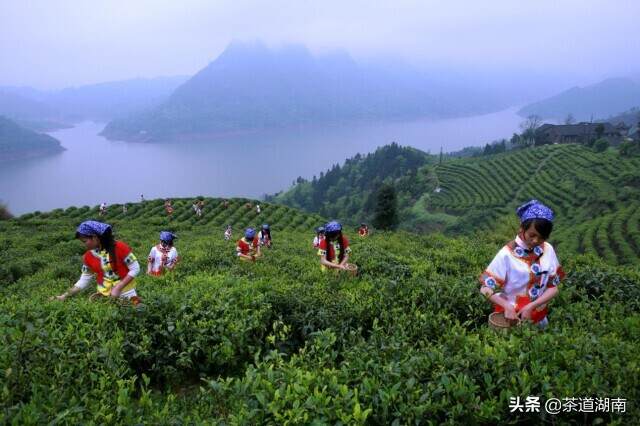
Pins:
<point x="152" y="253"/>
<point x="497" y="272"/>
<point x="173" y="256"/>
<point x="84" y="281"/>
<point x="556" y="273"/>
<point x="552" y="258"/>
<point x="134" y="269"/>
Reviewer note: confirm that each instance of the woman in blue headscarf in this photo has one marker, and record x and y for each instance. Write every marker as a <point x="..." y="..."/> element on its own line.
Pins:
<point x="524" y="275"/>
<point x="163" y="256"/>
<point x="334" y="250"/>
<point x="111" y="262"/>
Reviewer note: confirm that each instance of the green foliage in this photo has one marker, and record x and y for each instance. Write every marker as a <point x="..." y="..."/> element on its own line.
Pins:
<point x="629" y="148"/>
<point x="595" y="195"/>
<point x="349" y="191"/>
<point x="600" y="145"/>
<point x="386" y="215"/>
<point x="280" y="342"/>
<point x="495" y="148"/>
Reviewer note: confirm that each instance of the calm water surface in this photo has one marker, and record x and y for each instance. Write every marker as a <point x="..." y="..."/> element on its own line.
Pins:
<point x="93" y="169"/>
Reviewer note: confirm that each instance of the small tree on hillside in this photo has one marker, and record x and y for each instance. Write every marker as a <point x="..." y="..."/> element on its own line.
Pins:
<point x="529" y="128"/>
<point x="628" y="148"/>
<point x="386" y="215"/>
<point x="601" y="145"/>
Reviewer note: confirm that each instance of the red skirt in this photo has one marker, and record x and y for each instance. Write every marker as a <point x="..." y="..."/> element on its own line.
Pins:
<point x="537" y="314"/>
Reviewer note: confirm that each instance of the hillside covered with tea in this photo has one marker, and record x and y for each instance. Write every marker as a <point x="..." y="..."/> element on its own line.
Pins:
<point x="596" y="195"/>
<point x="280" y="342"/>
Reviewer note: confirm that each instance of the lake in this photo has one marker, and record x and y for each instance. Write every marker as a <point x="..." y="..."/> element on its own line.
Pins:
<point x="93" y="169"/>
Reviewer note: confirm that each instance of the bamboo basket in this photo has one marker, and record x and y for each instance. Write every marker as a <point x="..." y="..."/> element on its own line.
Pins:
<point x="497" y="321"/>
<point x="352" y="269"/>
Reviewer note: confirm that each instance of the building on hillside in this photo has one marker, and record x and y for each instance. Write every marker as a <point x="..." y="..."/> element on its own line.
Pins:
<point x="581" y="133"/>
<point x="622" y="128"/>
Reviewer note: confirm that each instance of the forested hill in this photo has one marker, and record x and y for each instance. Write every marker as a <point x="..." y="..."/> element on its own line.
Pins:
<point x="16" y="142"/>
<point x="596" y="195"/>
<point x="349" y="191"/>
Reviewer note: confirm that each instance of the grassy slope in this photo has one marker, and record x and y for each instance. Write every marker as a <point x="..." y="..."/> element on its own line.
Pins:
<point x="279" y="341"/>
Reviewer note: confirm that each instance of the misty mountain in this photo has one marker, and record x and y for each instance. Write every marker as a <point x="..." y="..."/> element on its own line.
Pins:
<point x="250" y="86"/>
<point x="105" y="101"/>
<point x="16" y="142"/>
<point x="631" y="117"/>
<point x="603" y="99"/>
<point x="17" y="106"/>
<point x="101" y="102"/>
<point x="29" y="111"/>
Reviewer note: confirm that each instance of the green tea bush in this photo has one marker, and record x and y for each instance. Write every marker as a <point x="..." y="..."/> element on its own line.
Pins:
<point x="281" y="342"/>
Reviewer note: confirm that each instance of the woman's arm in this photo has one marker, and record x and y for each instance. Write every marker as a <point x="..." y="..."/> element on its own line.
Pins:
<point x="134" y="270"/>
<point x="548" y="294"/>
<point x="151" y="259"/>
<point x="174" y="258"/>
<point x="495" y="298"/>
<point x="325" y="262"/>
<point x="81" y="284"/>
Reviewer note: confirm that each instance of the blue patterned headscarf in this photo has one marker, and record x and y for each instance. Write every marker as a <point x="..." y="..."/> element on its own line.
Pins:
<point x="534" y="209"/>
<point x="167" y="236"/>
<point x="90" y="228"/>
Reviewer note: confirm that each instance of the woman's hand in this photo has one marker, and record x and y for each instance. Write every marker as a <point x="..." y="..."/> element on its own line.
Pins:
<point x="525" y="313"/>
<point x="115" y="291"/>
<point x="510" y="313"/>
<point x="61" y="298"/>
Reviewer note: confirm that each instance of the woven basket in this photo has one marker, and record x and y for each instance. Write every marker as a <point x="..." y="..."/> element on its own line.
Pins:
<point x="99" y="297"/>
<point x="352" y="269"/>
<point x="96" y="296"/>
<point x="497" y="321"/>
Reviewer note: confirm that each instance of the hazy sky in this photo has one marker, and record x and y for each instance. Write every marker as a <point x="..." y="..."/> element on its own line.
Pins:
<point x="57" y="43"/>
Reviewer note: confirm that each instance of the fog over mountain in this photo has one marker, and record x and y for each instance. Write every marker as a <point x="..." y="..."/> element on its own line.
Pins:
<point x="250" y="86"/>
<point x="600" y="100"/>
<point x="99" y="102"/>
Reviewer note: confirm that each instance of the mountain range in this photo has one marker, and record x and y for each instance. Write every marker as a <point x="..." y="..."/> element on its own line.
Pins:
<point x="251" y="87"/>
<point x="48" y="110"/>
<point x="604" y="99"/>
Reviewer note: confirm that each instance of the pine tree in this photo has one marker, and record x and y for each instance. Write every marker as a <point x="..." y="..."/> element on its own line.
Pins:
<point x="386" y="215"/>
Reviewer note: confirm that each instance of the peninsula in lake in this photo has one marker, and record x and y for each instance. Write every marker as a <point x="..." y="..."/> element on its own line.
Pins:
<point x="17" y="142"/>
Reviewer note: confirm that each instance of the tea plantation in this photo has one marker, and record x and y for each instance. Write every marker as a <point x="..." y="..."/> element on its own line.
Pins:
<point x="280" y="342"/>
<point x="596" y="196"/>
